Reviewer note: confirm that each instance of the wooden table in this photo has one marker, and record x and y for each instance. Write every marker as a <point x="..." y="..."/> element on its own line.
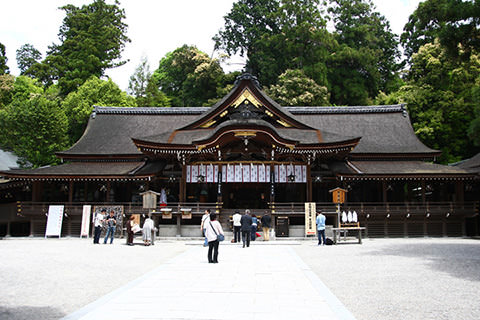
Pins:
<point x="337" y="233"/>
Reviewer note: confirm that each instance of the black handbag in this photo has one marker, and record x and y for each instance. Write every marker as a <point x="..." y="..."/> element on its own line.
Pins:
<point x="220" y="237"/>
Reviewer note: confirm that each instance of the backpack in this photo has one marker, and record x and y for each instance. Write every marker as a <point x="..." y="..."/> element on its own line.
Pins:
<point x="328" y="242"/>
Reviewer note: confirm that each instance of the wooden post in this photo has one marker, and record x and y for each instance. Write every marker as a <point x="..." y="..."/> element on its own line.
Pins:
<point x="459" y="194"/>
<point x="70" y="191"/>
<point x="384" y="191"/>
<point x="183" y="185"/>
<point x="424" y="197"/>
<point x="309" y="184"/>
<point x="107" y="199"/>
<point x="37" y="187"/>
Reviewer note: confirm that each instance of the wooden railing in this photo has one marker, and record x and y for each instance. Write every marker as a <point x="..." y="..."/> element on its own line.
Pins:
<point x="386" y="210"/>
<point x="380" y="219"/>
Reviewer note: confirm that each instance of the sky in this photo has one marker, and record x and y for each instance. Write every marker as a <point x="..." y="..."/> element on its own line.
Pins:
<point x="155" y="27"/>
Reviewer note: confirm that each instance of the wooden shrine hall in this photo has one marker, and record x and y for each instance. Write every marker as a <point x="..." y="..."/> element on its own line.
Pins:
<point x="247" y="151"/>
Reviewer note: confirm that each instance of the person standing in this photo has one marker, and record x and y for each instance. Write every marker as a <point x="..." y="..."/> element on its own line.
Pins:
<point x="236" y="226"/>
<point x="321" y="227"/>
<point x="147" y="230"/>
<point x="212" y="230"/>
<point x="98" y="223"/>
<point x="111" y="222"/>
<point x="254" y="227"/>
<point x="129" y="226"/>
<point x="205" y="220"/>
<point x="246" y="227"/>
<point x="266" y="224"/>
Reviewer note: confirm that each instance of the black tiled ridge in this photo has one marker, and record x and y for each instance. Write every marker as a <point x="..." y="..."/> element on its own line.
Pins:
<point x="293" y="110"/>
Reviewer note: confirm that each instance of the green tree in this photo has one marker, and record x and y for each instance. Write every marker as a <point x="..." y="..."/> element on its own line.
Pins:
<point x="474" y="128"/>
<point x="294" y="88"/>
<point x="144" y="89"/>
<point x="3" y="60"/>
<point x="188" y="77"/>
<point x="291" y="35"/>
<point x="454" y="22"/>
<point x="441" y="97"/>
<point x="245" y="24"/>
<point x="33" y="125"/>
<point x="302" y="43"/>
<point x="92" y="39"/>
<point x="137" y="84"/>
<point x="78" y="105"/>
<point x="366" y="60"/>
<point x="27" y="56"/>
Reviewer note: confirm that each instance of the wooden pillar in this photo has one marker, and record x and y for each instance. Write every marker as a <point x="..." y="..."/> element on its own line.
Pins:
<point x="309" y="184"/>
<point x="107" y="198"/>
<point x="70" y="191"/>
<point x="37" y="187"/>
<point x="459" y="194"/>
<point x="183" y="185"/>
<point x="424" y="197"/>
<point x="384" y="191"/>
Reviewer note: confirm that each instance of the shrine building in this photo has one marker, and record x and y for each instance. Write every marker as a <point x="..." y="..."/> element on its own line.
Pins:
<point x="247" y="151"/>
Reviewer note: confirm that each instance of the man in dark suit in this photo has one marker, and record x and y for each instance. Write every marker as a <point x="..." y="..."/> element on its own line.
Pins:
<point x="246" y="222"/>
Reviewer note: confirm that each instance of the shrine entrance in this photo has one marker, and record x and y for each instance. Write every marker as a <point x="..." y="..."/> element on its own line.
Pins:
<point x="245" y="195"/>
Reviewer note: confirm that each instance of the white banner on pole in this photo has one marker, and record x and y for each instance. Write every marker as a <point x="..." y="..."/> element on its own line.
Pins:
<point x="85" y="220"/>
<point x="54" y="221"/>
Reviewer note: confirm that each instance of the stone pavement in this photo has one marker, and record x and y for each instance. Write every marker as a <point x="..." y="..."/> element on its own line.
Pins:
<point x="260" y="282"/>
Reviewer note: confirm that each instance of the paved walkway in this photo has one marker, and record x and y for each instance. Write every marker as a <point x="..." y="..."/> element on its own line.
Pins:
<point x="260" y="282"/>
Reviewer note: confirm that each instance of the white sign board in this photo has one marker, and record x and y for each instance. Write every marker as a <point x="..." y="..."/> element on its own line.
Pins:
<point x="86" y="220"/>
<point x="54" y="221"/>
<point x="310" y="219"/>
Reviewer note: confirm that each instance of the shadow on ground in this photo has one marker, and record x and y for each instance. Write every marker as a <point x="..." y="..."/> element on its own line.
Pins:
<point x="460" y="260"/>
<point x="28" y="312"/>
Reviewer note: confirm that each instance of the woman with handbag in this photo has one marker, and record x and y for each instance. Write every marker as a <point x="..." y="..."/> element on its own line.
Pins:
<point x="214" y="234"/>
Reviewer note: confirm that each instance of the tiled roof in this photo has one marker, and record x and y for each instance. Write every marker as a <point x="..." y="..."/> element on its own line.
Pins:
<point x="396" y="168"/>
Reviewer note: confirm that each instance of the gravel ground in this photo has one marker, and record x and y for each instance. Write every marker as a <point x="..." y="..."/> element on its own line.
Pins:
<point x="381" y="279"/>
<point x="50" y="278"/>
<point x="392" y="279"/>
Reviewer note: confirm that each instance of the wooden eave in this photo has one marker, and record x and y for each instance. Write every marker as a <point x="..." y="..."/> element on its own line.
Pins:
<point x="424" y="176"/>
<point x="386" y="156"/>
<point x="100" y="157"/>
<point x="77" y="177"/>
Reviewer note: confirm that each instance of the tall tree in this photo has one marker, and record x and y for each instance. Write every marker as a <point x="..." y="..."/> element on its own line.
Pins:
<point x="188" y="77"/>
<point x="92" y="39"/>
<point x="367" y="59"/>
<point x="27" y="56"/>
<point x="455" y="23"/>
<point x="143" y="88"/>
<point x="78" y="105"/>
<point x="292" y="35"/>
<point x="137" y="84"/>
<point x="247" y="22"/>
<point x="3" y="60"/>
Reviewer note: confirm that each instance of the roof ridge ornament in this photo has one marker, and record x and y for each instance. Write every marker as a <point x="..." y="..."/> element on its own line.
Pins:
<point x="247" y="76"/>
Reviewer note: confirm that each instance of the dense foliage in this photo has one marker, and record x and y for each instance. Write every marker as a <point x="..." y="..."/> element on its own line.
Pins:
<point x="92" y="39"/>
